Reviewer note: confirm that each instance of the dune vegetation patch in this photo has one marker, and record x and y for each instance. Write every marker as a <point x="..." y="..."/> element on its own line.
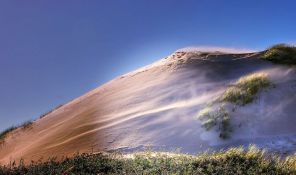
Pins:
<point x="5" y="132"/>
<point x="281" y="53"/>
<point x="24" y="125"/>
<point x="244" y="91"/>
<point x="232" y="161"/>
<point x="50" y="111"/>
<point x="216" y="117"/>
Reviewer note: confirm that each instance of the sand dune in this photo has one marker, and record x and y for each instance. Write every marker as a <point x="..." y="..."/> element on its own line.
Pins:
<point x="156" y="106"/>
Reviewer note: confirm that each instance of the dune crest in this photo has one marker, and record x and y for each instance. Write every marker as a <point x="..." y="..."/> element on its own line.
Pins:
<point x="156" y="106"/>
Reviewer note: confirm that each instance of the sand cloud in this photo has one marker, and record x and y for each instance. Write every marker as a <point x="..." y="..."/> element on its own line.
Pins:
<point x="217" y="48"/>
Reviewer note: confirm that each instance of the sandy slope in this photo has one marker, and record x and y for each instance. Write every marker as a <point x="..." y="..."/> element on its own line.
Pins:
<point x="156" y="106"/>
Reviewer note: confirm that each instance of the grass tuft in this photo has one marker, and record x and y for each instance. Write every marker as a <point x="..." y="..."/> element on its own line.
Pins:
<point x="246" y="88"/>
<point x="212" y="117"/>
<point x="232" y="161"/>
<point x="281" y="53"/>
<point x="5" y="132"/>
<point x="50" y="111"/>
<point x="243" y="91"/>
<point x="24" y="125"/>
<point x="225" y="127"/>
<point x="205" y="113"/>
<point x="209" y="123"/>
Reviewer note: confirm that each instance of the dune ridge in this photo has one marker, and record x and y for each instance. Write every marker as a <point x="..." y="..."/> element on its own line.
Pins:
<point x="157" y="105"/>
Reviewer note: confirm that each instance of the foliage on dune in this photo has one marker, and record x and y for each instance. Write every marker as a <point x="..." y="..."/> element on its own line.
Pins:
<point x="24" y="125"/>
<point x="281" y="53"/>
<point x="232" y="161"/>
<point x="5" y="132"/>
<point x="50" y="111"/>
<point x="212" y="117"/>
<point x="244" y="91"/>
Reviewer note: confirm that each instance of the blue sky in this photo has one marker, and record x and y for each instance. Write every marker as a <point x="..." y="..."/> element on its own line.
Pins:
<point x="53" y="51"/>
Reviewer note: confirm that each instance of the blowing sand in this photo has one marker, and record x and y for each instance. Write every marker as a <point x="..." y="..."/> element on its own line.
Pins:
<point x="156" y="107"/>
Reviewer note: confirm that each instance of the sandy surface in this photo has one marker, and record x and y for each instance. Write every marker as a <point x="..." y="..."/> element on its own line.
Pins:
<point x="156" y="107"/>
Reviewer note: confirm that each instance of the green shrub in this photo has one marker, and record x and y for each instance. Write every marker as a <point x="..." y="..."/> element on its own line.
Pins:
<point x="232" y="161"/>
<point x="246" y="88"/>
<point x="212" y="117"/>
<point x="205" y="113"/>
<point x="244" y="91"/>
<point x="50" y="111"/>
<point x="281" y="53"/>
<point x="225" y="127"/>
<point x="209" y="123"/>
<point x="26" y="124"/>
<point x="5" y="132"/>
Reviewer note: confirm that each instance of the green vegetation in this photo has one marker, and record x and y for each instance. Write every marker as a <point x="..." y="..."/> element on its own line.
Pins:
<point x="209" y="124"/>
<point x="246" y="88"/>
<point x="24" y="125"/>
<point x="205" y="113"/>
<point x="50" y="111"/>
<point x="225" y="127"/>
<point x="232" y="161"/>
<point x="281" y="53"/>
<point x="242" y="92"/>
<point x="212" y="117"/>
<point x="209" y="117"/>
<point x="4" y="133"/>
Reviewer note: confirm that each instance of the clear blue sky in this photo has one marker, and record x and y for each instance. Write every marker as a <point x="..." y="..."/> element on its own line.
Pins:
<point x="52" y="51"/>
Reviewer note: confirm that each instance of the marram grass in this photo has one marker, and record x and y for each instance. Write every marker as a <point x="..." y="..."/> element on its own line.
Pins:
<point x="244" y="91"/>
<point x="232" y="161"/>
<point x="4" y="133"/>
<point x="281" y="54"/>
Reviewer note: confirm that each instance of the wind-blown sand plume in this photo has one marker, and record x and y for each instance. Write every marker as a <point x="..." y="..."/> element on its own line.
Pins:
<point x="157" y="105"/>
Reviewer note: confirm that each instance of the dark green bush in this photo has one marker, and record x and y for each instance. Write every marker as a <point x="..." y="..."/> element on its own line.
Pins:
<point x="246" y="88"/>
<point x="242" y="92"/>
<point x="212" y="117"/>
<point x="281" y="53"/>
<point x="5" y="132"/>
<point x="50" y="111"/>
<point x="233" y="161"/>
<point x="225" y="126"/>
